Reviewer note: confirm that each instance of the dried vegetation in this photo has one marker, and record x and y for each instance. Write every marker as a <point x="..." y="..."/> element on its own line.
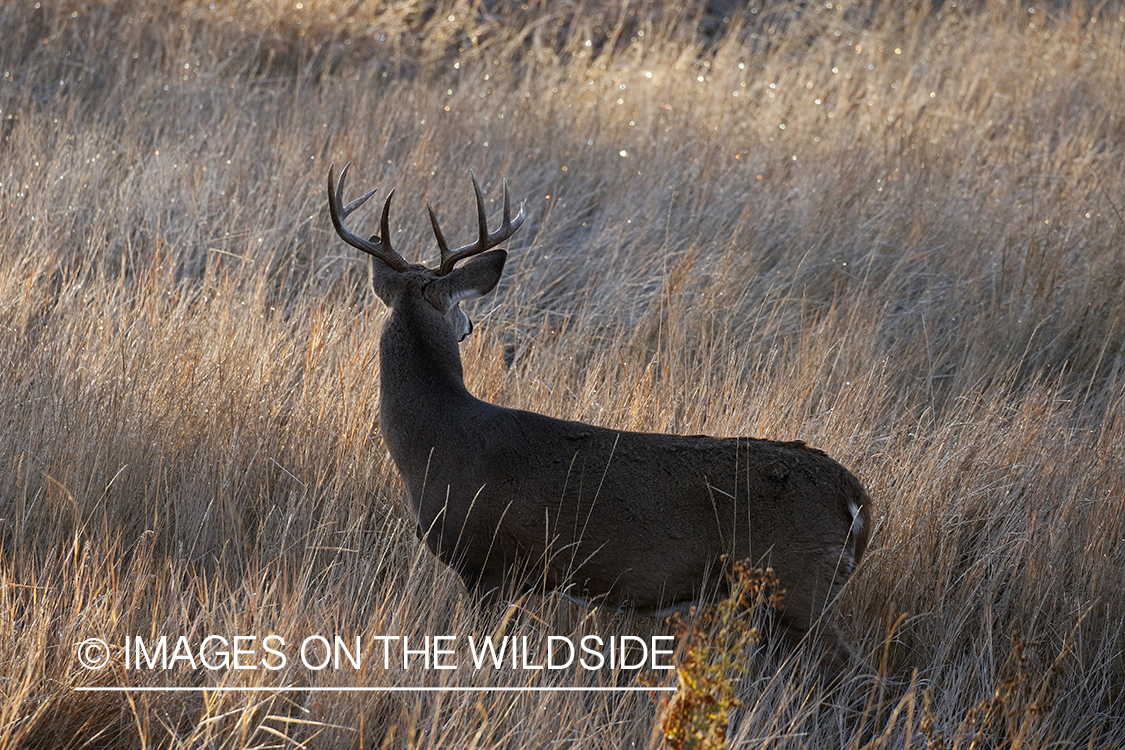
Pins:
<point x="891" y="229"/>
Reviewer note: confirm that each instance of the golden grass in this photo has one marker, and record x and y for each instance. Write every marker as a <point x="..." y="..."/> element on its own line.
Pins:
<point x="893" y="232"/>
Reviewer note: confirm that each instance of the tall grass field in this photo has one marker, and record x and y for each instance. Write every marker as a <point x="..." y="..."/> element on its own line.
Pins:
<point x="893" y="230"/>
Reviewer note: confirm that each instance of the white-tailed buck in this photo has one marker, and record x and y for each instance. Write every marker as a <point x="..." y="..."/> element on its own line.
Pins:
<point x="637" y="520"/>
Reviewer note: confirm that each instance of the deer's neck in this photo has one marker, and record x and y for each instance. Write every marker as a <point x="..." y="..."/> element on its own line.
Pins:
<point x="422" y="388"/>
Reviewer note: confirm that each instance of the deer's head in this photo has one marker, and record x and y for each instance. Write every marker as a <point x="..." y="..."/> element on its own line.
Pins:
<point x="432" y="292"/>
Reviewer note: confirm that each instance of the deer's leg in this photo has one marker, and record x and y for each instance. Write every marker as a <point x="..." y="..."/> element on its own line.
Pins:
<point x="486" y="587"/>
<point x="834" y="655"/>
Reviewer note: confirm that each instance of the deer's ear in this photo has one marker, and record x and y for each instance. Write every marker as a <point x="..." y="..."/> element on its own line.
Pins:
<point x="476" y="278"/>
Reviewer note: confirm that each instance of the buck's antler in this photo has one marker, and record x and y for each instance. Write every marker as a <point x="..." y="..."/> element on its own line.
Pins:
<point x="379" y="246"/>
<point x="486" y="240"/>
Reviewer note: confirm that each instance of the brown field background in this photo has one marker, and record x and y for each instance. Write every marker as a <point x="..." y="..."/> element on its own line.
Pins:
<point x="893" y="230"/>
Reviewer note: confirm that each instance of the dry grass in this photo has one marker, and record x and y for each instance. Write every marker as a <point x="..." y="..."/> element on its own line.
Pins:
<point x="895" y="233"/>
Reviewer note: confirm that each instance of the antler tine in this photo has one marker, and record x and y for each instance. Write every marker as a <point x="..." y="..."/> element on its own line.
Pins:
<point x="510" y="225"/>
<point x="380" y="247"/>
<point x="508" y="205"/>
<point x="444" y="248"/>
<point x="346" y="210"/>
<point x="485" y="239"/>
<point x="385" y="222"/>
<point x="482" y="220"/>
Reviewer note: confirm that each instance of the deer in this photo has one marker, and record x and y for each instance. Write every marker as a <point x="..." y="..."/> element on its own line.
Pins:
<point x="514" y="500"/>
